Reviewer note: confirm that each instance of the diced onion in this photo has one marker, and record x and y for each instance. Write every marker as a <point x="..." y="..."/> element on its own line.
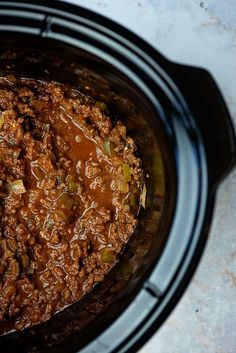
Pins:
<point x="78" y="138"/>
<point x="143" y="196"/>
<point x="1" y="120"/>
<point x="16" y="153"/>
<point x="123" y="186"/>
<point x="11" y="78"/>
<point x="17" y="187"/>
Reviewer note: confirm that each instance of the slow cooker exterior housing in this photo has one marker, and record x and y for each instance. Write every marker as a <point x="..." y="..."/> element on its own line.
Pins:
<point x="182" y="129"/>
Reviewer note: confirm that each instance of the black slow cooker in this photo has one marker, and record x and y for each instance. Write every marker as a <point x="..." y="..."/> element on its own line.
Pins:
<point x="183" y="131"/>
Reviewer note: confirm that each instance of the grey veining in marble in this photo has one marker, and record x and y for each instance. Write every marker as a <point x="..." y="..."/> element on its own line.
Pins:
<point x="200" y="33"/>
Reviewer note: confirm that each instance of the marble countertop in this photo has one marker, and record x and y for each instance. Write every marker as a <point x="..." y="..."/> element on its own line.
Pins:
<point x="200" y="33"/>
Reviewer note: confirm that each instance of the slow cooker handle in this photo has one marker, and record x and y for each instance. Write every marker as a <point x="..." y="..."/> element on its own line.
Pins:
<point x="211" y="115"/>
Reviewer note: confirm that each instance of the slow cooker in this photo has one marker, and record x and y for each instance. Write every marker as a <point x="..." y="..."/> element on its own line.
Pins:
<point x="184" y="134"/>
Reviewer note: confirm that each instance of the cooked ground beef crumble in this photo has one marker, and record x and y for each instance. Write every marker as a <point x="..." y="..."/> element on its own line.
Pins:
<point x="70" y="185"/>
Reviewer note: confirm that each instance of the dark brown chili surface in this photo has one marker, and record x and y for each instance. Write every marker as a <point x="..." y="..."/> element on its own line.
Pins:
<point x="69" y="196"/>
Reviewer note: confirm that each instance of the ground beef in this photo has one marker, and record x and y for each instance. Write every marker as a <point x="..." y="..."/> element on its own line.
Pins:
<point x="69" y="197"/>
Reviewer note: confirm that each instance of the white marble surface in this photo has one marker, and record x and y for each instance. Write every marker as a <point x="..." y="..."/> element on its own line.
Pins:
<point x="201" y="33"/>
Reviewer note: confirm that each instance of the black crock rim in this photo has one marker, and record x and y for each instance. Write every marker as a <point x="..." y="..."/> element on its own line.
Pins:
<point x="168" y="297"/>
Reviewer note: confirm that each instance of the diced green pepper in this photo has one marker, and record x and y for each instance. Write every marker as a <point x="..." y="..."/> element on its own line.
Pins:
<point x="133" y="201"/>
<point x="72" y="184"/>
<point x="66" y="201"/>
<point x="64" y="216"/>
<point x="25" y="261"/>
<point x="126" y="172"/>
<point x="101" y="105"/>
<point x="109" y="148"/>
<point x="107" y="255"/>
